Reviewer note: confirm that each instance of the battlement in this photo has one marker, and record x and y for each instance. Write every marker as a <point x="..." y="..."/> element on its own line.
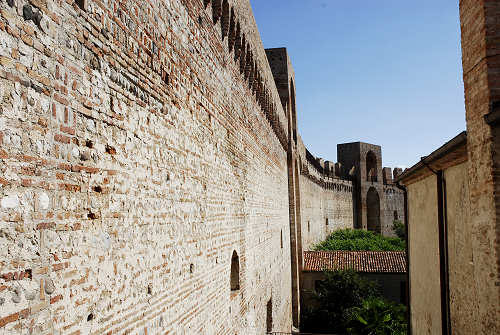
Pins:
<point x="390" y="175"/>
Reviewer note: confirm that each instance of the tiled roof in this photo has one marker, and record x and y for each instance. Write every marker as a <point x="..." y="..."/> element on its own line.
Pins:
<point x="359" y="261"/>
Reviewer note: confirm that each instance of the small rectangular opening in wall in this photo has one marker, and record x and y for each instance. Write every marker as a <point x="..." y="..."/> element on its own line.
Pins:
<point x="269" y="316"/>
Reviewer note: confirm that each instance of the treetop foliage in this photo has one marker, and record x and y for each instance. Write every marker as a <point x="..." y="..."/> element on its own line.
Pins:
<point x="360" y="240"/>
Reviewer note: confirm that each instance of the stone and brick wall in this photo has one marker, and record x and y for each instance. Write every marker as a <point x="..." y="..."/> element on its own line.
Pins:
<point x="355" y="162"/>
<point x="394" y="209"/>
<point x="141" y="143"/>
<point x="480" y="29"/>
<point x="326" y="202"/>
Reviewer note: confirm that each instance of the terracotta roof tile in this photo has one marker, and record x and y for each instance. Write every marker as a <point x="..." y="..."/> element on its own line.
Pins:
<point x="359" y="261"/>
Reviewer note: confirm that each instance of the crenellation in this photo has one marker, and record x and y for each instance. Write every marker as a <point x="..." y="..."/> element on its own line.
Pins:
<point x="329" y="168"/>
<point x="397" y="172"/>
<point x="387" y="175"/>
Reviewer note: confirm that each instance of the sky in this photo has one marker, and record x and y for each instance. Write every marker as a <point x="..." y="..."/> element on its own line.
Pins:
<point x="386" y="72"/>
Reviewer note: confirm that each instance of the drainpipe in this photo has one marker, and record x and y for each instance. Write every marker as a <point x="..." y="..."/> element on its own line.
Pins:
<point x="443" y="254"/>
<point x="408" y="291"/>
<point x="443" y="249"/>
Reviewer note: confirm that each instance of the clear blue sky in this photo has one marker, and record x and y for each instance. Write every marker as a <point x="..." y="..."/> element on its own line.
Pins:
<point x="380" y="71"/>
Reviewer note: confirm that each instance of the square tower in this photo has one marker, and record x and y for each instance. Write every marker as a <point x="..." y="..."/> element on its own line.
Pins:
<point x="362" y="163"/>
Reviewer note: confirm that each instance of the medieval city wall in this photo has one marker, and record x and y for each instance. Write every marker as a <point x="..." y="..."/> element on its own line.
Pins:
<point x="394" y="208"/>
<point x="142" y="144"/>
<point x="326" y="202"/>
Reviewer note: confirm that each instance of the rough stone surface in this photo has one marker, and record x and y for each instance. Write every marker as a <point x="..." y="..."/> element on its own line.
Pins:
<point x="326" y="202"/>
<point x="138" y="144"/>
<point x="141" y="145"/>
<point x="49" y="286"/>
<point x="480" y="29"/>
<point x="363" y="162"/>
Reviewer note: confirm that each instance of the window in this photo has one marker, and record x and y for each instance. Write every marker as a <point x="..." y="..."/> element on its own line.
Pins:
<point x="371" y="166"/>
<point x="308" y="226"/>
<point x="327" y="221"/>
<point x="396" y="217"/>
<point x="281" y="239"/>
<point x="235" y="272"/>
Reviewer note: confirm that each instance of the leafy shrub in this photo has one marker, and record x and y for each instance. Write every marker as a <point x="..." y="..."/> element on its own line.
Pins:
<point x="335" y="296"/>
<point x="356" y="240"/>
<point x="377" y="317"/>
<point x="399" y="229"/>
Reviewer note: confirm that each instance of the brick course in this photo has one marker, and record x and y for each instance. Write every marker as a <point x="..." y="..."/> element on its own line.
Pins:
<point x="133" y="140"/>
<point x="141" y="144"/>
<point x="480" y="29"/>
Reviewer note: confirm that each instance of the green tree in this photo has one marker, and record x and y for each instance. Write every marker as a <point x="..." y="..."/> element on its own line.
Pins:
<point x="399" y="229"/>
<point x="377" y="317"/>
<point x="335" y="296"/>
<point x="358" y="240"/>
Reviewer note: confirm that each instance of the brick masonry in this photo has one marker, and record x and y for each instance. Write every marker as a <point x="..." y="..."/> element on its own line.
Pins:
<point x="357" y="159"/>
<point x="141" y="145"/>
<point x="133" y="140"/>
<point x="480" y="26"/>
<point x="327" y="202"/>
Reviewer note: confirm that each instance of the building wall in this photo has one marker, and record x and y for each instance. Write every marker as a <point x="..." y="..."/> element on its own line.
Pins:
<point x="424" y="257"/>
<point x="480" y="29"/>
<point x="137" y="154"/>
<point x="392" y="286"/>
<point x="464" y="304"/>
<point x="389" y="285"/>
<point x="464" y="289"/>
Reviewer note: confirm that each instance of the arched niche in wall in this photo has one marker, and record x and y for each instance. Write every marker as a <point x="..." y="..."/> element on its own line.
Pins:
<point x="248" y="61"/>
<point x="243" y="55"/>
<point x="237" y="42"/>
<point x="371" y="166"/>
<point x="225" y="19"/>
<point x="232" y="31"/>
<point x="235" y="272"/>
<point x="216" y="10"/>
<point x="373" y="210"/>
